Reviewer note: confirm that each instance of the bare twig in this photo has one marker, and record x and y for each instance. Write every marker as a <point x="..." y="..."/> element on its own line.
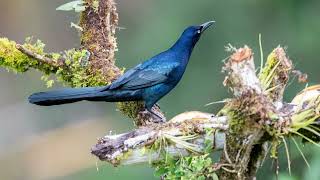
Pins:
<point x="40" y="58"/>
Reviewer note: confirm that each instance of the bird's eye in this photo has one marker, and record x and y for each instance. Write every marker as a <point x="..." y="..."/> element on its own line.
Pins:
<point x="199" y="31"/>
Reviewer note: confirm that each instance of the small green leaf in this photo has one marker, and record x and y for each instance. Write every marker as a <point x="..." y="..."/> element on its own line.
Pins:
<point x="77" y="6"/>
<point x="214" y="176"/>
<point x="50" y="83"/>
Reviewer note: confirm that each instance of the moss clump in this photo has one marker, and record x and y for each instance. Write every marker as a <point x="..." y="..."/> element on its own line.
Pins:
<point x="131" y="109"/>
<point x="115" y="162"/>
<point x="12" y="59"/>
<point x="95" y="5"/>
<point x="86" y="36"/>
<point x="237" y="122"/>
<point x="192" y="167"/>
<point x="77" y="72"/>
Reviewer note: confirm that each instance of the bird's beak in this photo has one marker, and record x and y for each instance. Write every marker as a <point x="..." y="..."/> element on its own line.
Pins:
<point x="206" y="25"/>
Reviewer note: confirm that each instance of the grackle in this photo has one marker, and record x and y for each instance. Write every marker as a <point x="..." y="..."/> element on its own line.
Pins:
<point x="148" y="81"/>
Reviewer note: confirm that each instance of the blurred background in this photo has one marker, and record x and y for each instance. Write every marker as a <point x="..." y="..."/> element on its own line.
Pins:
<point x="53" y="143"/>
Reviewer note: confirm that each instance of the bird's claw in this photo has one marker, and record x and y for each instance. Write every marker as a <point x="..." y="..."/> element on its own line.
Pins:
<point x="157" y="118"/>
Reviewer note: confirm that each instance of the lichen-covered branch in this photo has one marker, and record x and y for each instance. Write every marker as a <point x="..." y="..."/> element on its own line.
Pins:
<point x="246" y="112"/>
<point x="186" y="134"/>
<point x="257" y="115"/>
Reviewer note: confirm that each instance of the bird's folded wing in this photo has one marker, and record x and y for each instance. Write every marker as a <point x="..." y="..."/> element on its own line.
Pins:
<point x="144" y="79"/>
<point x="139" y="77"/>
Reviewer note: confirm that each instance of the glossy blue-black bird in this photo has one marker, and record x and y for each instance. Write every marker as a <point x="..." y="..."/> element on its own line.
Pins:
<point x="148" y="81"/>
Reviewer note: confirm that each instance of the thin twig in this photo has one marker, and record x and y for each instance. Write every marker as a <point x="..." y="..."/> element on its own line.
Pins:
<point x="226" y="153"/>
<point x="261" y="54"/>
<point x="40" y="58"/>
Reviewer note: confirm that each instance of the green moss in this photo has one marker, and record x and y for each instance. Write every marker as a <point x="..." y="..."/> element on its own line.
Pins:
<point x="274" y="148"/>
<point x="121" y="157"/>
<point x="266" y="74"/>
<point x="77" y="73"/>
<point x="237" y="121"/>
<point x="95" y="5"/>
<point x="12" y="59"/>
<point x="86" y="36"/>
<point x="131" y="109"/>
<point x="192" y="167"/>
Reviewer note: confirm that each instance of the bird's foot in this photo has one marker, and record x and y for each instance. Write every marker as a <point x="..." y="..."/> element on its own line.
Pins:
<point x="156" y="116"/>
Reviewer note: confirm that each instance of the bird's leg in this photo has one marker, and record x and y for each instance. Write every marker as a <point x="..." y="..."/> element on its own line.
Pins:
<point x="158" y="118"/>
<point x="156" y="105"/>
<point x="155" y="114"/>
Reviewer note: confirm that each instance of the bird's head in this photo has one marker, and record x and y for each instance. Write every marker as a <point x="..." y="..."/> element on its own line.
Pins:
<point x="191" y="34"/>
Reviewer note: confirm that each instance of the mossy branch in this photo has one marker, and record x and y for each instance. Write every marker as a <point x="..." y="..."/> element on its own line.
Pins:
<point x="56" y="63"/>
<point x="69" y="67"/>
<point x="190" y="133"/>
<point x="93" y="64"/>
<point x="21" y="58"/>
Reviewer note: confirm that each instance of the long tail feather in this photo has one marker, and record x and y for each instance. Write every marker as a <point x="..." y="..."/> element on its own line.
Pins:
<point x="64" y="96"/>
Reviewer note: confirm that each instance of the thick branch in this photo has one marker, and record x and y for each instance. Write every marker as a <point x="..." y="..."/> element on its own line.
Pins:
<point x="98" y="36"/>
<point x="247" y="111"/>
<point x="182" y="136"/>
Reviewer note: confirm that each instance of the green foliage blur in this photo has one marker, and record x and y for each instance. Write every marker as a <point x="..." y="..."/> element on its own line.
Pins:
<point x="147" y="28"/>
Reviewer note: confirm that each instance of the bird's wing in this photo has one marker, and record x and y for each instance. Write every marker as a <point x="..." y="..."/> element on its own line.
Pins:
<point x="142" y="77"/>
<point x="145" y="78"/>
<point x="125" y="77"/>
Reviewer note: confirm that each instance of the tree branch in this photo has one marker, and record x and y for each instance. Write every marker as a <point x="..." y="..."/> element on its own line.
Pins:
<point x="40" y="58"/>
<point x="21" y="58"/>
<point x="250" y="107"/>
<point x="98" y="36"/>
<point x="184" y="135"/>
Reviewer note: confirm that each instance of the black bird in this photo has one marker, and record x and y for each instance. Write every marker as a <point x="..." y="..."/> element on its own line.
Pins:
<point x="148" y="81"/>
